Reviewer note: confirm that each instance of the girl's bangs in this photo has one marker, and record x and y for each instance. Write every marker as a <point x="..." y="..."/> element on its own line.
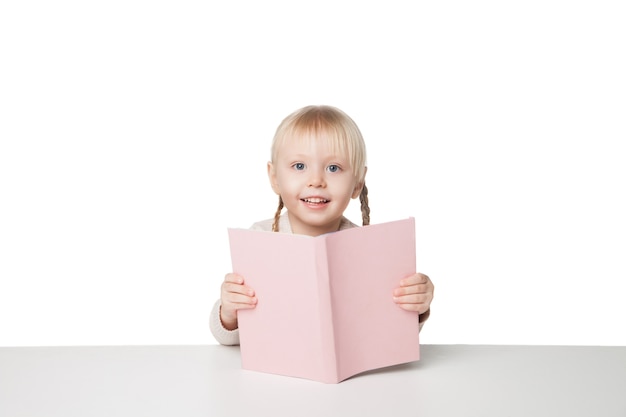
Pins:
<point x="336" y="140"/>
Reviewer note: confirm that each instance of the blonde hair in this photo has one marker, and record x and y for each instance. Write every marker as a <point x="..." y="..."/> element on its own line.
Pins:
<point x="344" y="136"/>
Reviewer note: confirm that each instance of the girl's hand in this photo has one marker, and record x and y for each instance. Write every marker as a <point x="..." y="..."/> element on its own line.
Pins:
<point x="415" y="293"/>
<point x="235" y="295"/>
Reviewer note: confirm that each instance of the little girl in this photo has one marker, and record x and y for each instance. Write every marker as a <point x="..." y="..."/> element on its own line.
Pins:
<point x="318" y="165"/>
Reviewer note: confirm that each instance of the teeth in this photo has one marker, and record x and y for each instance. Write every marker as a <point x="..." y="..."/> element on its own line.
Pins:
<point x="315" y="200"/>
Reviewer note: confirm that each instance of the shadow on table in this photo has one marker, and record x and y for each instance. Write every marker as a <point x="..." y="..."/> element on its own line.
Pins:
<point x="430" y="356"/>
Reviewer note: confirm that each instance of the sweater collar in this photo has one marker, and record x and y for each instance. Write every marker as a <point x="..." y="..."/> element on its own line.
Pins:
<point x="285" y="227"/>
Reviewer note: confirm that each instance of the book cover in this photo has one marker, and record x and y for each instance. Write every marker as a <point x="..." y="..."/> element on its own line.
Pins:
<point x="325" y="309"/>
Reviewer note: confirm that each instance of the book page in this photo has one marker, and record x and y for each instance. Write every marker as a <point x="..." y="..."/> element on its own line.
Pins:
<point x="283" y="334"/>
<point x="365" y="265"/>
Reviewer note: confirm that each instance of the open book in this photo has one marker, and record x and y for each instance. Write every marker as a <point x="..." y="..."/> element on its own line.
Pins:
<point x="325" y="307"/>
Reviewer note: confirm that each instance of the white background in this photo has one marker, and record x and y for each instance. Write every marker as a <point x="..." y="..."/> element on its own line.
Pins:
<point x="133" y="133"/>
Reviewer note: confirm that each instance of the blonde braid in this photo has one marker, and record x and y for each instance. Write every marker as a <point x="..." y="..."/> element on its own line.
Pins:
<point x="365" y="208"/>
<point x="277" y="215"/>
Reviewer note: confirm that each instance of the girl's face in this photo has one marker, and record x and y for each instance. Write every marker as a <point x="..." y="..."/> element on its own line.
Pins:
<point x="315" y="183"/>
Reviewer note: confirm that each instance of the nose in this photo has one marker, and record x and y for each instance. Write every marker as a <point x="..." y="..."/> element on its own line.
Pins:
<point x="317" y="179"/>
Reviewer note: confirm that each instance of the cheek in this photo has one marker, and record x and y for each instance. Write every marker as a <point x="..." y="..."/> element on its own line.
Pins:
<point x="349" y="190"/>
<point x="286" y="182"/>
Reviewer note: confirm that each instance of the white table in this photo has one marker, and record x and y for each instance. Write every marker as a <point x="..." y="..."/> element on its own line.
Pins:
<point x="187" y="381"/>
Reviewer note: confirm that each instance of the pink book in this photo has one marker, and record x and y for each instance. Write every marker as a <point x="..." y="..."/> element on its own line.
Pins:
<point x="325" y="310"/>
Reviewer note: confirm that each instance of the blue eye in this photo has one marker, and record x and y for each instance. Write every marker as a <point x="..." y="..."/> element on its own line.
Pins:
<point x="333" y="168"/>
<point x="299" y="166"/>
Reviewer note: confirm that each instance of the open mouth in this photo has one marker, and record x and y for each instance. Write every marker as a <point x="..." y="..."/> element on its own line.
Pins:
<point x="315" y="200"/>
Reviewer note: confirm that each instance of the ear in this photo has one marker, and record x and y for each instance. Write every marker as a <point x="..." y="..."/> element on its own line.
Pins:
<point x="271" y="173"/>
<point x="359" y="186"/>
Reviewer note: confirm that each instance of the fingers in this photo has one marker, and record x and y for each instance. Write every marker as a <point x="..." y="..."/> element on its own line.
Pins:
<point x="412" y="289"/>
<point x="233" y="278"/>
<point x="230" y="288"/>
<point x="413" y="299"/>
<point x="419" y="303"/>
<point x="419" y="308"/>
<point x="235" y="295"/>
<point x="415" y="284"/>
<point x="415" y="293"/>
<point x="233" y="285"/>
<point x="415" y="279"/>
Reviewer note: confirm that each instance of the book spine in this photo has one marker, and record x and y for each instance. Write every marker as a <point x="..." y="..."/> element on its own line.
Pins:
<point x="327" y="331"/>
